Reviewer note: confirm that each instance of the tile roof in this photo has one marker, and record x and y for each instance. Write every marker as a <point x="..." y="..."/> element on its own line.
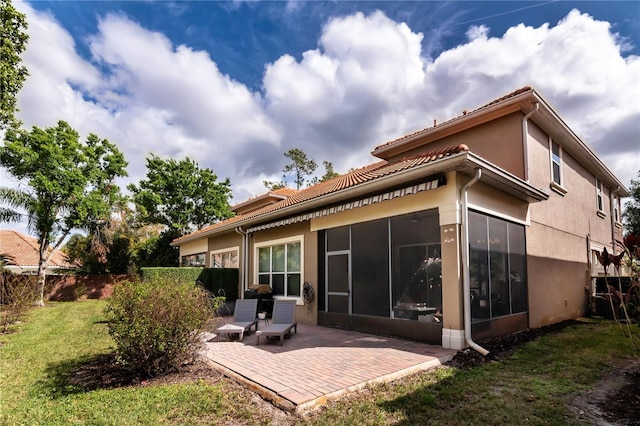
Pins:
<point x="348" y="180"/>
<point x="23" y="250"/>
<point x="495" y="101"/>
<point x="285" y="192"/>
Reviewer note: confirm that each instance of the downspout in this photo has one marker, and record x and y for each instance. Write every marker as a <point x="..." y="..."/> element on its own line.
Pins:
<point x="525" y="145"/>
<point x="613" y="219"/>
<point x="245" y="256"/>
<point x="466" y="287"/>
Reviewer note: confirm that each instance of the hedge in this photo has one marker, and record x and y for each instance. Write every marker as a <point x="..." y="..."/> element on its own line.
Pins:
<point x="219" y="281"/>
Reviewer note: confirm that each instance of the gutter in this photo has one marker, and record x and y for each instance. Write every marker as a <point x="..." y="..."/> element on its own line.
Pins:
<point x="525" y="145"/>
<point x="462" y="160"/>
<point x="245" y="256"/>
<point x="466" y="288"/>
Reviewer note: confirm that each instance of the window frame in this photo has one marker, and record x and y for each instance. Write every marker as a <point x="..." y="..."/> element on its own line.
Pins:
<point x="212" y="253"/>
<point x="277" y="242"/>
<point x="195" y="256"/>
<point x="557" y="186"/>
<point x="600" y="199"/>
<point x="616" y="208"/>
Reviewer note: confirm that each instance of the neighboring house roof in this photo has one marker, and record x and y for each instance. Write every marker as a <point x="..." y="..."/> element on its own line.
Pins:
<point x="23" y="250"/>
<point x="264" y="199"/>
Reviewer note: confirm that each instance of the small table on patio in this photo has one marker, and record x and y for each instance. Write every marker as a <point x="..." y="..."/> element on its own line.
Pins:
<point x="230" y="329"/>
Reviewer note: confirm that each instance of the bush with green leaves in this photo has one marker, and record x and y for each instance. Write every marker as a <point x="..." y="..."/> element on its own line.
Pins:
<point x="156" y="324"/>
<point x="17" y="296"/>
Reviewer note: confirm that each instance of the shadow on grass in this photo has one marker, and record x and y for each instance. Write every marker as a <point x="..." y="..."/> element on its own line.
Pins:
<point x="84" y="374"/>
<point x="422" y="405"/>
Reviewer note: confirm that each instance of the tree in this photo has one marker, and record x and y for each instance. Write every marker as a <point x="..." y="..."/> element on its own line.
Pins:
<point x="272" y="185"/>
<point x="181" y="195"/>
<point x="300" y="165"/>
<point x="157" y="250"/>
<point x="13" y="41"/>
<point x="329" y="173"/>
<point x="64" y="184"/>
<point x="632" y="209"/>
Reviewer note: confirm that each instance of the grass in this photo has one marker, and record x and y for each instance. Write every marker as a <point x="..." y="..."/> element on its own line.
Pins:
<point x="534" y="385"/>
<point x="36" y="360"/>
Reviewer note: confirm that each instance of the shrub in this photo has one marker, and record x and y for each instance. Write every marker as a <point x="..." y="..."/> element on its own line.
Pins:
<point x="212" y="279"/>
<point x="17" y="296"/>
<point x="156" y="324"/>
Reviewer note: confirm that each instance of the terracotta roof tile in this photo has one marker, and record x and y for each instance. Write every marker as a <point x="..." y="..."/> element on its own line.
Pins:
<point x="495" y="101"/>
<point x="348" y="180"/>
<point x="286" y="191"/>
<point x="24" y="250"/>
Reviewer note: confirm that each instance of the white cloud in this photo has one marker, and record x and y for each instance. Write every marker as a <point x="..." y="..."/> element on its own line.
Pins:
<point x="367" y="82"/>
<point x="477" y="31"/>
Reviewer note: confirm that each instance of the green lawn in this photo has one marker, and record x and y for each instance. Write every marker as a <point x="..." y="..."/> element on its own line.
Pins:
<point x="532" y="386"/>
<point x="34" y="368"/>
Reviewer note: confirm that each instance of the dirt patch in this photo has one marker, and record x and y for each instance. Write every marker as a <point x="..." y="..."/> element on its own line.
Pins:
<point x="615" y="400"/>
<point x="504" y="346"/>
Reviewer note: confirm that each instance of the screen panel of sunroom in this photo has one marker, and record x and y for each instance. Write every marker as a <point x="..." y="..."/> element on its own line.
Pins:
<point x="497" y="267"/>
<point x="417" y="266"/>
<point x="386" y="268"/>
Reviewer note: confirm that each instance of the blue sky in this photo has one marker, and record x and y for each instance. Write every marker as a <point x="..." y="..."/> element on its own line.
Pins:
<point x="233" y="85"/>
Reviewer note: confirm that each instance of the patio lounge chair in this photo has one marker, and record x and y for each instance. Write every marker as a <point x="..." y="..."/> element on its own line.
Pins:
<point x="282" y="321"/>
<point x="244" y="317"/>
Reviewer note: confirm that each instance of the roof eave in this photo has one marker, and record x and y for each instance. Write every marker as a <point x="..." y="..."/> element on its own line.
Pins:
<point x="458" y="124"/>
<point x="464" y="162"/>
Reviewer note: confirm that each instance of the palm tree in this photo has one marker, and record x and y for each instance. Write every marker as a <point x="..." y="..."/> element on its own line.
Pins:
<point x="24" y="205"/>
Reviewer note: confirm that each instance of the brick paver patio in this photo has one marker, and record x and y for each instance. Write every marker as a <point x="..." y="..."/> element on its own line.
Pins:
<point x="320" y="363"/>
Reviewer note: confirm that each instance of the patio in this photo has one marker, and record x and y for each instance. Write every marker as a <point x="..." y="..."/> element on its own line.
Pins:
<point x="320" y="363"/>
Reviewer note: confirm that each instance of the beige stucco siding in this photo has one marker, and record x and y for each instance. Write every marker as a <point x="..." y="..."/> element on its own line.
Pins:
<point x="225" y="241"/>
<point x="558" y="275"/>
<point x="193" y="247"/>
<point x="561" y="229"/>
<point x="443" y="198"/>
<point x="498" y="141"/>
<point x="574" y="212"/>
<point x="493" y="202"/>
<point x="310" y="262"/>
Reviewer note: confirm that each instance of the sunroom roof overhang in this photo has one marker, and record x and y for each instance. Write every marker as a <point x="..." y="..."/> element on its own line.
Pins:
<point x="430" y="183"/>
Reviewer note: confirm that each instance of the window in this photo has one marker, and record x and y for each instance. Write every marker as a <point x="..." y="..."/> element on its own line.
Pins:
<point x="197" y="259"/>
<point x="497" y="267"/>
<point x="616" y="208"/>
<point x="280" y="266"/>
<point x="225" y="258"/>
<point x="599" y="202"/>
<point x="556" y="163"/>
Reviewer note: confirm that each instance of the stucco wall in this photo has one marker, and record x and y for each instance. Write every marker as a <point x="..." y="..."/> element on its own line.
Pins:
<point x="561" y="229"/>
<point x="305" y="313"/>
<point x="575" y="212"/>
<point x="498" y="141"/>
<point x="193" y="247"/>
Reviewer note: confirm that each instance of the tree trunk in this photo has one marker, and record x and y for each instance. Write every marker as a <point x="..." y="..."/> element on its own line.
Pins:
<point x="42" y="276"/>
